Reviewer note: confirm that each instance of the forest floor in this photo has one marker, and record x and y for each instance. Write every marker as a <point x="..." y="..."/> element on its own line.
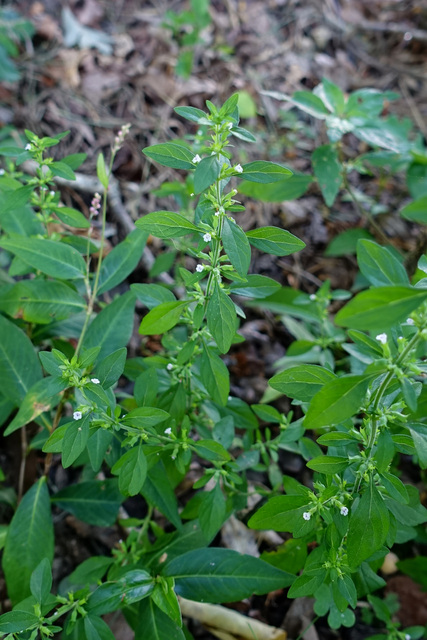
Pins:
<point x="126" y="73"/>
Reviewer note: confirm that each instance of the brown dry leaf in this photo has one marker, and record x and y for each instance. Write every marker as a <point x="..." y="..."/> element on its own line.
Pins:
<point x="88" y="12"/>
<point x="45" y="26"/>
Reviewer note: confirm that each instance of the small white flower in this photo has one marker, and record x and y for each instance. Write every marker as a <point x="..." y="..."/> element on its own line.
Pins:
<point x="344" y="511"/>
<point x="196" y="159"/>
<point x="313" y="296"/>
<point x="94" y="380"/>
<point x="207" y="237"/>
<point x="306" y="515"/>
<point x="381" y="337"/>
<point x="169" y="367"/>
<point x="200" y="268"/>
<point x="238" y="168"/>
<point x="77" y="415"/>
<point x="168" y="431"/>
<point x="400" y="338"/>
<point x="52" y="193"/>
<point x="28" y="147"/>
<point x="230" y="126"/>
<point x="407" y="636"/>
<point x="191" y="194"/>
<point x="1" y="172"/>
<point x="410" y="321"/>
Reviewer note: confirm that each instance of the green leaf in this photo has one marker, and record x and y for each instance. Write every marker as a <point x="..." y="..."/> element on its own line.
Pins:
<point x="380" y="308"/>
<point x="418" y="432"/>
<point x="157" y="491"/>
<point x="71" y="217"/>
<point x="154" y="624"/>
<point x="23" y="552"/>
<point x="75" y="440"/>
<point x="221" y="319"/>
<point x="16" y="199"/>
<point x="111" y="368"/>
<point x="255" y="287"/>
<point x="96" y="629"/>
<point x="90" y="571"/>
<point x="101" y="171"/>
<point x="121" y="261"/>
<point x="145" y="417"/>
<point x="132" y="471"/>
<point x="40" y="397"/>
<point x="310" y="103"/>
<point x="212" y="511"/>
<point x="152" y="295"/>
<point x="236" y="246"/>
<point x="379" y="265"/>
<point x="338" y="400"/>
<point x="345" y="243"/>
<point x="170" y="154"/>
<point x="215" y="376"/>
<point x="41" y="581"/>
<point x="190" y="113"/>
<point x="112" y="327"/>
<point x="368" y="527"/>
<point x="291" y="188"/>
<point x="416" y="211"/>
<point x="222" y="575"/>
<point x="166" y="224"/>
<point x="53" y="258"/>
<point x="129" y="588"/>
<point x="331" y="95"/>
<point x="19" y="365"/>
<point x="275" y="241"/>
<point x="207" y="171"/>
<point x="281" y="513"/>
<point x="328" y="170"/>
<point x="62" y="170"/>
<point x="95" y="502"/>
<point x="162" y="318"/>
<point x="17" y="621"/>
<point x="165" y="598"/>
<point x="307" y="584"/>
<point x="328" y="464"/>
<point x="301" y="382"/>
<point x="211" y="450"/>
<point x="264" y="172"/>
<point x="41" y="301"/>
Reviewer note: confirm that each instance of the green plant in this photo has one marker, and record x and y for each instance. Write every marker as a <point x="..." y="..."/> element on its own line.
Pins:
<point x="13" y="29"/>
<point x="186" y="28"/>
<point x="356" y="383"/>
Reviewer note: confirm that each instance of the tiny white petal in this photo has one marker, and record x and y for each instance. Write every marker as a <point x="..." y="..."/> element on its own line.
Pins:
<point x="94" y="380"/>
<point x="230" y="126"/>
<point x="196" y="159"/>
<point x="52" y="193"/>
<point x="238" y="168"/>
<point x="169" y="367"/>
<point x="77" y="415"/>
<point x="168" y="431"/>
<point x="1" y="172"/>
<point x="344" y="511"/>
<point x="381" y="337"/>
<point x="306" y="515"/>
<point x="410" y="321"/>
<point x="312" y="296"/>
<point x="207" y="237"/>
<point x="200" y="268"/>
<point x="28" y="147"/>
<point x="407" y="636"/>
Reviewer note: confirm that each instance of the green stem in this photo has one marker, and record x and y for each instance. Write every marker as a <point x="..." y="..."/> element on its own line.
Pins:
<point x="147" y="521"/>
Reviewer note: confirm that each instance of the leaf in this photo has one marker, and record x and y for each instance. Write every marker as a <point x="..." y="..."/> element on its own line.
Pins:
<point x="338" y="400"/>
<point x="236" y="246"/>
<point x="368" y="527"/>
<point x="17" y="621"/>
<point x="291" y="188"/>
<point x="152" y="294"/>
<point x="345" y="243"/>
<point x="166" y="224"/>
<point x="158" y="492"/>
<point x="23" y="552"/>
<point x="75" y="440"/>
<point x="379" y="265"/>
<point x="62" y="170"/>
<point x="306" y="101"/>
<point x="255" y="287"/>
<point x="41" y="301"/>
<point x="416" y="211"/>
<point x="71" y="217"/>
<point x="16" y="199"/>
<point x="121" y="261"/>
<point x="221" y="319"/>
<point x="212" y="511"/>
<point x="153" y="624"/>
<point x="215" y="376"/>
<point x="418" y="431"/>
<point x="19" y="365"/>
<point x="223" y="575"/>
<point x="170" y="154"/>
<point x="132" y="470"/>
<point x="84" y="37"/>
<point x="328" y="464"/>
<point x="95" y="502"/>
<point x="112" y="327"/>
<point x="301" y="382"/>
<point x="90" y="571"/>
<point x="275" y="241"/>
<point x="40" y="397"/>
<point x="190" y="113"/>
<point x="96" y="629"/>
<point x="264" y="172"/>
<point x="41" y="581"/>
<point x="380" y="308"/>
<point x="129" y="588"/>
<point x="111" y="368"/>
<point x="163" y="317"/>
<point x="281" y="513"/>
<point x="207" y="171"/>
<point x="53" y="258"/>
<point x="331" y="95"/>
<point x="328" y="171"/>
